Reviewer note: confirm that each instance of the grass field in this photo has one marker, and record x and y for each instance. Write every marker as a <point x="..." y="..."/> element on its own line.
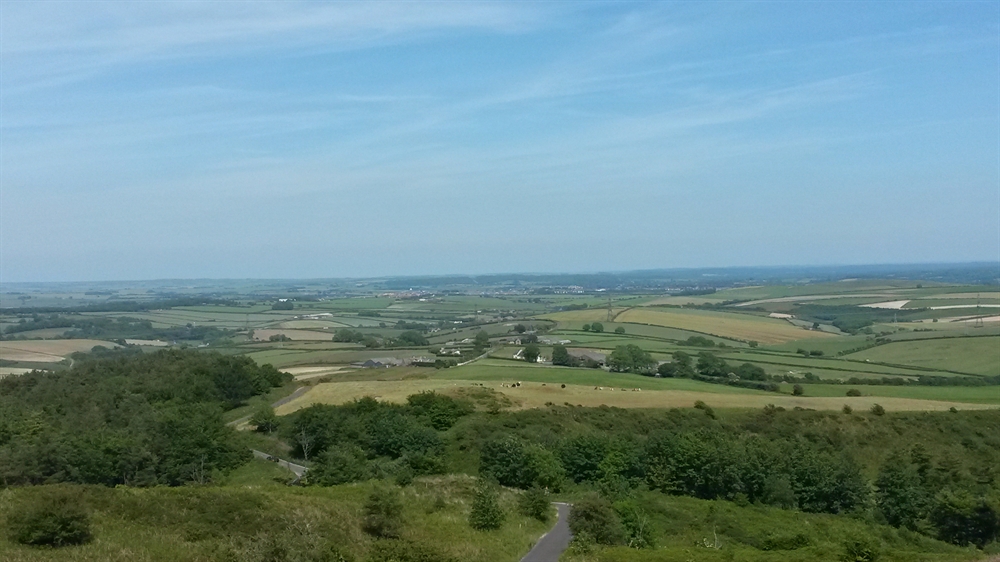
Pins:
<point x="969" y="394"/>
<point x="584" y="316"/>
<point x="728" y="325"/>
<point x="980" y="355"/>
<point x="47" y="351"/>
<point x="538" y="395"/>
<point x="302" y="335"/>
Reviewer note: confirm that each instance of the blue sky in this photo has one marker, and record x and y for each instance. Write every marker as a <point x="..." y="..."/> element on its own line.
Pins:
<point x="301" y="139"/>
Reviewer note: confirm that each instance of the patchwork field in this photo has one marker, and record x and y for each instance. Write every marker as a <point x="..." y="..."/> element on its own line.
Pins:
<point x="727" y="325"/>
<point x="46" y="351"/>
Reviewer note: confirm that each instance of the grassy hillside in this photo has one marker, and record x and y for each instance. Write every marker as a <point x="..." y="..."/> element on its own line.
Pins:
<point x="253" y="518"/>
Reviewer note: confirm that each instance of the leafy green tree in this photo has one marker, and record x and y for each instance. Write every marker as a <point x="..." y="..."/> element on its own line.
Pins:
<point x="520" y="328"/>
<point x="597" y="327"/>
<point x="486" y="513"/>
<point x="339" y="465"/>
<point x="620" y="330"/>
<point x="631" y="359"/>
<point x="482" y="341"/>
<point x="534" y="503"/>
<point x="560" y="355"/>
<point x="531" y="353"/>
<point x="383" y="513"/>
<point x="264" y="419"/>
<point x="899" y="495"/>
<point x="586" y="328"/>
<point x="962" y="519"/>
<point x="797" y="390"/>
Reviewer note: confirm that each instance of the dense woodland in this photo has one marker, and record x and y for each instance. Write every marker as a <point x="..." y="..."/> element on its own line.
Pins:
<point x="930" y="473"/>
<point x="127" y="418"/>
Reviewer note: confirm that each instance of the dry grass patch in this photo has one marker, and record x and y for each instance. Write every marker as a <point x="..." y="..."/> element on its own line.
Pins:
<point x="727" y="325"/>
<point x="47" y="351"/>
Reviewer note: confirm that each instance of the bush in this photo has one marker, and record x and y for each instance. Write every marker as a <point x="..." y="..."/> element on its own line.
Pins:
<point x="797" y="390"/>
<point x="404" y="551"/>
<point x="636" y="524"/>
<point x="787" y="542"/>
<point x="594" y="517"/>
<point x="847" y="409"/>
<point x="854" y="392"/>
<point x="878" y="410"/>
<point x="962" y="519"/>
<point x="860" y="551"/>
<point x="534" y="503"/>
<point x="57" y="518"/>
<point x="383" y="513"/>
<point x="486" y="514"/>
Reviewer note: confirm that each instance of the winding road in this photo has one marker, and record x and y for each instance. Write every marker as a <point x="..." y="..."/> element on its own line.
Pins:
<point x="552" y="544"/>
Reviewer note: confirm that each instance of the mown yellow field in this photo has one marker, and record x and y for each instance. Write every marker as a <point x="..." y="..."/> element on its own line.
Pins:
<point x="46" y="351"/>
<point x="535" y="395"/>
<point x="727" y="325"/>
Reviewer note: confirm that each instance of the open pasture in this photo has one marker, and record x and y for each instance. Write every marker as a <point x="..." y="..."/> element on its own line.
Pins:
<point x="47" y="351"/>
<point x="847" y="365"/>
<point x="970" y="394"/>
<point x="973" y="355"/>
<point x="538" y="395"/>
<point x="299" y="335"/>
<point x="727" y="325"/>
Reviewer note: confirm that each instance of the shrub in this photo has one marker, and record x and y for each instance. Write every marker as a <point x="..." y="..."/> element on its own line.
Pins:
<point x="636" y="524"/>
<point x="787" y="542"/>
<point x="383" y="513"/>
<point x="534" y="503"/>
<point x="847" y="409"/>
<point x="854" y="392"/>
<point x="594" y="517"/>
<point x="486" y="514"/>
<point x="705" y="408"/>
<point x="797" y="390"/>
<point x="57" y="518"/>
<point x="962" y="519"/>
<point x="860" y="551"/>
<point x="878" y="410"/>
<point x="404" y="551"/>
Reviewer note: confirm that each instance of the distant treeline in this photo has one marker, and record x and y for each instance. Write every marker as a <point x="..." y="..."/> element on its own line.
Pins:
<point x="123" y="306"/>
<point x="128" y="418"/>
<point x="114" y="328"/>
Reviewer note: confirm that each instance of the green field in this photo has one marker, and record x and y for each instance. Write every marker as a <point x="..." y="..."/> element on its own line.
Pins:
<point x="970" y="394"/>
<point x="977" y="355"/>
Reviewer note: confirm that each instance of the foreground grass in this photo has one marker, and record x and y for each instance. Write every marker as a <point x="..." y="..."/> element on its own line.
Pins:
<point x="253" y="516"/>
<point x="687" y="529"/>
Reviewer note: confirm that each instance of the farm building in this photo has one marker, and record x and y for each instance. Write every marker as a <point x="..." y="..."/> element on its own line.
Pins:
<point x="584" y="354"/>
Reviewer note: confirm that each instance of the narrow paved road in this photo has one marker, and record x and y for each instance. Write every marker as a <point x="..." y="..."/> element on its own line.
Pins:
<point x="298" y="392"/>
<point x="552" y="544"/>
<point x="296" y="469"/>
